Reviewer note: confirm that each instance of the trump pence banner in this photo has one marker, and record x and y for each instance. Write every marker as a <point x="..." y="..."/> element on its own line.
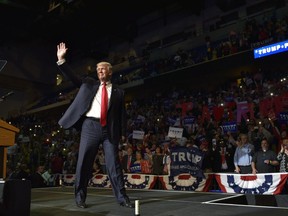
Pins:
<point x="185" y="170"/>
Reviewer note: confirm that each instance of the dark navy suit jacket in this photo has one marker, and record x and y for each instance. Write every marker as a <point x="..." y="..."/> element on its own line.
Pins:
<point x="75" y="114"/>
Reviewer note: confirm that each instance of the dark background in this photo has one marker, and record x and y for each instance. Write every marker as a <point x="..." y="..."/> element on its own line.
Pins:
<point x="30" y="31"/>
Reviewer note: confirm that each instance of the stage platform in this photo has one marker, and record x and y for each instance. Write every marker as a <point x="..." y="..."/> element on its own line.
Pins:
<point x="59" y="201"/>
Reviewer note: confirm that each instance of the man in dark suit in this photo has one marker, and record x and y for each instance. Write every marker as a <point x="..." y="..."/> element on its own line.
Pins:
<point x="86" y="111"/>
<point x="128" y="160"/>
<point x="37" y="179"/>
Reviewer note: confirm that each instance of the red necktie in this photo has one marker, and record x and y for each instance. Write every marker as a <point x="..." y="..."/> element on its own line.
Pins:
<point x="129" y="162"/>
<point x="104" y="105"/>
<point x="223" y="155"/>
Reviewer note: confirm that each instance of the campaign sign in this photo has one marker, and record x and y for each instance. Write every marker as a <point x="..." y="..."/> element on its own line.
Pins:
<point x="186" y="160"/>
<point x="229" y="127"/>
<point x="138" y="134"/>
<point x="175" y="132"/>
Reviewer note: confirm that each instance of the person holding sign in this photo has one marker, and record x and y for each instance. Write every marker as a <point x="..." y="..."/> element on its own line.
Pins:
<point x="141" y="165"/>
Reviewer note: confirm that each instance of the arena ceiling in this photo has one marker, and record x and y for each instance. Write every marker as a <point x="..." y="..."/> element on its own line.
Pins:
<point x="31" y="29"/>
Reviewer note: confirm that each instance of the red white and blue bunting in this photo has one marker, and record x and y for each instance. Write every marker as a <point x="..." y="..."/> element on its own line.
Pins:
<point x="100" y="180"/>
<point x="140" y="181"/>
<point x="266" y="183"/>
<point x="186" y="182"/>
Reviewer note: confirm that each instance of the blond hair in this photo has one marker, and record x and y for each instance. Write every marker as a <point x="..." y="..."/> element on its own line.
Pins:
<point x="105" y="63"/>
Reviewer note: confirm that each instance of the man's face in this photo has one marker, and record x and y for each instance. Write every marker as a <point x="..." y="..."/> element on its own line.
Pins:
<point x="285" y="143"/>
<point x="129" y="151"/>
<point x="264" y="144"/>
<point x="103" y="72"/>
<point x="244" y="139"/>
<point x="41" y="169"/>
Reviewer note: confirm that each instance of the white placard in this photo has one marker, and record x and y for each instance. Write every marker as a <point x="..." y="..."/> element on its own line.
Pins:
<point x="175" y="132"/>
<point x="46" y="175"/>
<point x="138" y="134"/>
<point x="25" y="139"/>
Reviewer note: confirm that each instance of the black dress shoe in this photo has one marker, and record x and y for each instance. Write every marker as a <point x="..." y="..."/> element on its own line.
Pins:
<point x="81" y="205"/>
<point x="127" y="203"/>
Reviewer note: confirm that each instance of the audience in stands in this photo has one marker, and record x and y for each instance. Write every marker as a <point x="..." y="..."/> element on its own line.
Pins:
<point x="200" y="132"/>
<point x="140" y="165"/>
<point x="202" y="115"/>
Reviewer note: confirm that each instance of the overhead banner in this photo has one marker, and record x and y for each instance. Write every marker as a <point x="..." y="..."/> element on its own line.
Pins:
<point x="271" y="49"/>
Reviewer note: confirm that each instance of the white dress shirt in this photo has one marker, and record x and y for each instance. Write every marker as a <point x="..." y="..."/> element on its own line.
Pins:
<point x="95" y="109"/>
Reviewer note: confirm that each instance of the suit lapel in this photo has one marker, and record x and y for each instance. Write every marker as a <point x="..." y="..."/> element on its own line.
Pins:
<point x="113" y="96"/>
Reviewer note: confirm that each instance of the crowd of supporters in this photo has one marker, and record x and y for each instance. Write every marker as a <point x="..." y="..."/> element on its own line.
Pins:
<point x="253" y="34"/>
<point x="41" y="142"/>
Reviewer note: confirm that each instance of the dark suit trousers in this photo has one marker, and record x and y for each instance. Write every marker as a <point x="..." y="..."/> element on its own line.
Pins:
<point x="92" y="135"/>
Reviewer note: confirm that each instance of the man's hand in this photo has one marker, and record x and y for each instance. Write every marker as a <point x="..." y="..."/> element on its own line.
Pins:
<point x="237" y="169"/>
<point x="61" y="51"/>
